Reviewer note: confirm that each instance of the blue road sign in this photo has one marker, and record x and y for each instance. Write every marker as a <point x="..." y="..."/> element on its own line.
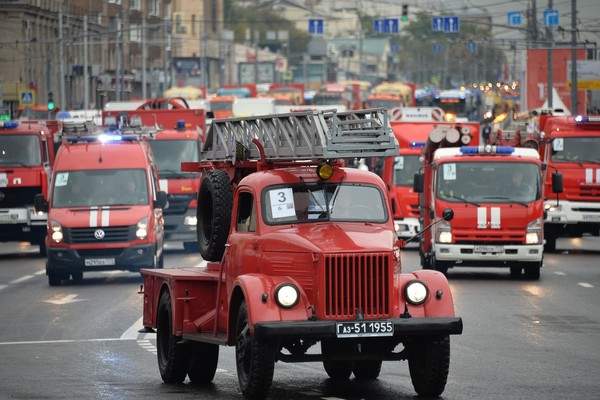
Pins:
<point x="437" y="48"/>
<point x="390" y="25"/>
<point x="550" y="17"/>
<point x="514" y="18"/>
<point x="451" y="24"/>
<point x="472" y="47"/>
<point x="315" y="26"/>
<point x="395" y="48"/>
<point x="437" y="24"/>
<point x="377" y="25"/>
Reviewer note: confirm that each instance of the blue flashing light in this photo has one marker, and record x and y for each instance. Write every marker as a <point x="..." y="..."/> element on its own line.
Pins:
<point x="469" y="150"/>
<point x="180" y="125"/>
<point x="416" y="144"/>
<point x="9" y="124"/>
<point x="505" y="150"/>
<point x="581" y="118"/>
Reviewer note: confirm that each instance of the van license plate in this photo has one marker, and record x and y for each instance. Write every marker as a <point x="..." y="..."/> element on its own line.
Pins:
<point x="364" y="329"/>
<point x="488" y="249"/>
<point x="591" y="217"/>
<point x="95" y="262"/>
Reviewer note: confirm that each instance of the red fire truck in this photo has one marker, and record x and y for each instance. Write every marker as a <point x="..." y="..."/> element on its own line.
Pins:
<point x="26" y="159"/>
<point x="411" y="126"/>
<point x="497" y="196"/>
<point x="339" y="94"/>
<point x="572" y="149"/>
<point x="179" y="139"/>
<point x="301" y="251"/>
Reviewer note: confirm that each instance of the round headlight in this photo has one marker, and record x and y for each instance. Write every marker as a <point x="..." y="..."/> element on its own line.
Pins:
<point x="416" y="292"/>
<point x="287" y="295"/>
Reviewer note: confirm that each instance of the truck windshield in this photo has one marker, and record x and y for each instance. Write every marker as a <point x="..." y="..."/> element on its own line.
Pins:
<point x="100" y="188"/>
<point x="576" y="149"/>
<point x="404" y="169"/>
<point x="488" y="182"/>
<point x="20" y="151"/>
<point x="302" y="203"/>
<point x="170" y="153"/>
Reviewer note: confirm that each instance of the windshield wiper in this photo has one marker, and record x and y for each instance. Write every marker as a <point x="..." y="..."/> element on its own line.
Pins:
<point x="170" y="172"/>
<point x="506" y="198"/>
<point x="462" y="200"/>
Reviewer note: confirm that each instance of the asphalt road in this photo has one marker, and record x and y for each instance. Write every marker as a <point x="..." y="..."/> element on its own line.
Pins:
<point x="522" y="339"/>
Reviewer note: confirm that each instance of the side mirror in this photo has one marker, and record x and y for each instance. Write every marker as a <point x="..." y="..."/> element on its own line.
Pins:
<point x="447" y="214"/>
<point x="418" y="182"/>
<point x="557" y="182"/>
<point x="161" y="200"/>
<point x="40" y="204"/>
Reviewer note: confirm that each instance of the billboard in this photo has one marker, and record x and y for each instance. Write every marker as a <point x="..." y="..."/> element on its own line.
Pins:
<point x="537" y="77"/>
<point x="588" y="74"/>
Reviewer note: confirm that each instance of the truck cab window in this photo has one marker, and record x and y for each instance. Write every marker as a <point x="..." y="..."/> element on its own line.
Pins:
<point x="246" y="214"/>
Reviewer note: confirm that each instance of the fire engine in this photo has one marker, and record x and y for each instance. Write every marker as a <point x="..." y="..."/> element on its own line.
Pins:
<point x="339" y="94"/>
<point x="497" y="196"/>
<point x="26" y="159"/>
<point x="300" y="251"/>
<point x="412" y="126"/>
<point x="573" y="150"/>
<point x="179" y="139"/>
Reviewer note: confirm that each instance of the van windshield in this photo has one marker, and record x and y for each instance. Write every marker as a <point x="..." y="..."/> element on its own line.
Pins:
<point x="100" y="188"/>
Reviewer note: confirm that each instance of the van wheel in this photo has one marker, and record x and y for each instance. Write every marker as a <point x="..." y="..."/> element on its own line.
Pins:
<point x="172" y="358"/>
<point x="190" y="247"/>
<point x="215" y="199"/>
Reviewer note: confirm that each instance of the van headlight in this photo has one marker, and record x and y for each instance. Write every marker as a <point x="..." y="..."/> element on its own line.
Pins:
<point x="534" y="232"/>
<point x="141" y="231"/>
<point x="416" y="292"/>
<point x="190" y="220"/>
<point x="57" y="234"/>
<point x="287" y="295"/>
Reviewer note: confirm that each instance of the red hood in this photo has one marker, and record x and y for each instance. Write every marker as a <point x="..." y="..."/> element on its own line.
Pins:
<point x="330" y="238"/>
<point x="83" y="217"/>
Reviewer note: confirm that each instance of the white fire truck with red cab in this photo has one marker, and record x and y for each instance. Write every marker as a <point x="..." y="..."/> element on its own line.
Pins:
<point x="26" y="159"/>
<point x="301" y="251"/>
<point x="496" y="193"/>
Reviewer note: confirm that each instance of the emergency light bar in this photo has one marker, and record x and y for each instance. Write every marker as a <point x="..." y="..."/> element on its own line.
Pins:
<point x="9" y="124"/>
<point x="416" y="145"/>
<point x="583" y="119"/>
<point x="487" y="149"/>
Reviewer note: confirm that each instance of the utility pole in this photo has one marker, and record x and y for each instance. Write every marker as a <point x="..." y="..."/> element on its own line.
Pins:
<point x="203" y="69"/>
<point x="550" y="41"/>
<point x="86" y="79"/>
<point x="144" y="57"/>
<point x="61" y="55"/>
<point x="165" y="47"/>
<point x="574" y="99"/>
<point x="118" y="51"/>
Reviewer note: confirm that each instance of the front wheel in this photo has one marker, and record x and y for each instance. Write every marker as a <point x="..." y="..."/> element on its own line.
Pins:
<point x="428" y="363"/>
<point x="172" y="359"/>
<point x="337" y="369"/>
<point x="254" y="359"/>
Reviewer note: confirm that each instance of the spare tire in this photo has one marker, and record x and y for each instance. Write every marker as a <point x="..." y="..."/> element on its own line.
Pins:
<point x="215" y="200"/>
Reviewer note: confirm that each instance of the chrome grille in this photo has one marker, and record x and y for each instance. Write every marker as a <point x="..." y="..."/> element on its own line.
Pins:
<point x="357" y="281"/>
<point x="112" y="234"/>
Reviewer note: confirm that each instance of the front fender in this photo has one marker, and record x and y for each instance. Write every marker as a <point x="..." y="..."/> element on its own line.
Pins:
<point x="440" y="302"/>
<point x="259" y="293"/>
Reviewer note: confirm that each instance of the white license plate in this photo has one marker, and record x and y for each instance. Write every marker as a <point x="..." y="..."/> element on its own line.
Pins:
<point x="7" y="217"/>
<point x="95" y="262"/>
<point x="364" y="329"/>
<point x="591" y="217"/>
<point x="488" y="249"/>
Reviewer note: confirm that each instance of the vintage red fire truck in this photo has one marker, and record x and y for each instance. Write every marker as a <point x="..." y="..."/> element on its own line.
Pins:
<point x="497" y="196"/>
<point x="179" y="139"/>
<point x="411" y="126"/>
<point x="571" y="146"/>
<point x="301" y="252"/>
<point x="26" y="159"/>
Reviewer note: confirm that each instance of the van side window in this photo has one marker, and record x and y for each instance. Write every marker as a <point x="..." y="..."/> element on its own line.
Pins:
<point x="246" y="214"/>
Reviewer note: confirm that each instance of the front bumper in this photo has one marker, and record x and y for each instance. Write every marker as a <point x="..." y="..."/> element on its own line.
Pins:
<point x="177" y="228"/>
<point x="319" y="330"/>
<point x="82" y="260"/>
<point x="507" y="254"/>
<point x="573" y="212"/>
<point x="407" y="228"/>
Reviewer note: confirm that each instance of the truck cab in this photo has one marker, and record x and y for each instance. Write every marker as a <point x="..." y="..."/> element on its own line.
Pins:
<point x="104" y="207"/>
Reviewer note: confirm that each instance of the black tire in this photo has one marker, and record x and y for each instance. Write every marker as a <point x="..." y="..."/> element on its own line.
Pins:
<point x="515" y="272"/>
<point x="215" y="199"/>
<point x="532" y="271"/>
<point x="550" y="238"/>
<point x="426" y="262"/>
<point x="54" y="278"/>
<point x="172" y="359"/>
<point x="77" y="276"/>
<point x="428" y="363"/>
<point x="43" y="251"/>
<point x="337" y="369"/>
<point x="161" y="260"/>
<point x="441" y="266"/>
<point x="204" y="358"/>
<point x="254" y="360"/>
<point x="367" y="369"/>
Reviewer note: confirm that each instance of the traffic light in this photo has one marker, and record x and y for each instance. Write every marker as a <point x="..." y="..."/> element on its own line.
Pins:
<point x="50" y="101"/>
<point x="404" y="13"/>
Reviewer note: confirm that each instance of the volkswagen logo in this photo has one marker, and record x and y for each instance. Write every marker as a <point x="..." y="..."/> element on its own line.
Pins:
<point x="99" y="234"/>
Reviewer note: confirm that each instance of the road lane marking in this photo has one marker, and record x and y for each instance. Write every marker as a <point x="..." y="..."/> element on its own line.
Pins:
<point x="62" y="341"/>
<point x="132" y="331"/>
<point x="560" y="273"/>
<point x="3" y="287"/>
<point x="21" y="279"/>
<point x="585" y="285"/>
<point x="70" y="298"/>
